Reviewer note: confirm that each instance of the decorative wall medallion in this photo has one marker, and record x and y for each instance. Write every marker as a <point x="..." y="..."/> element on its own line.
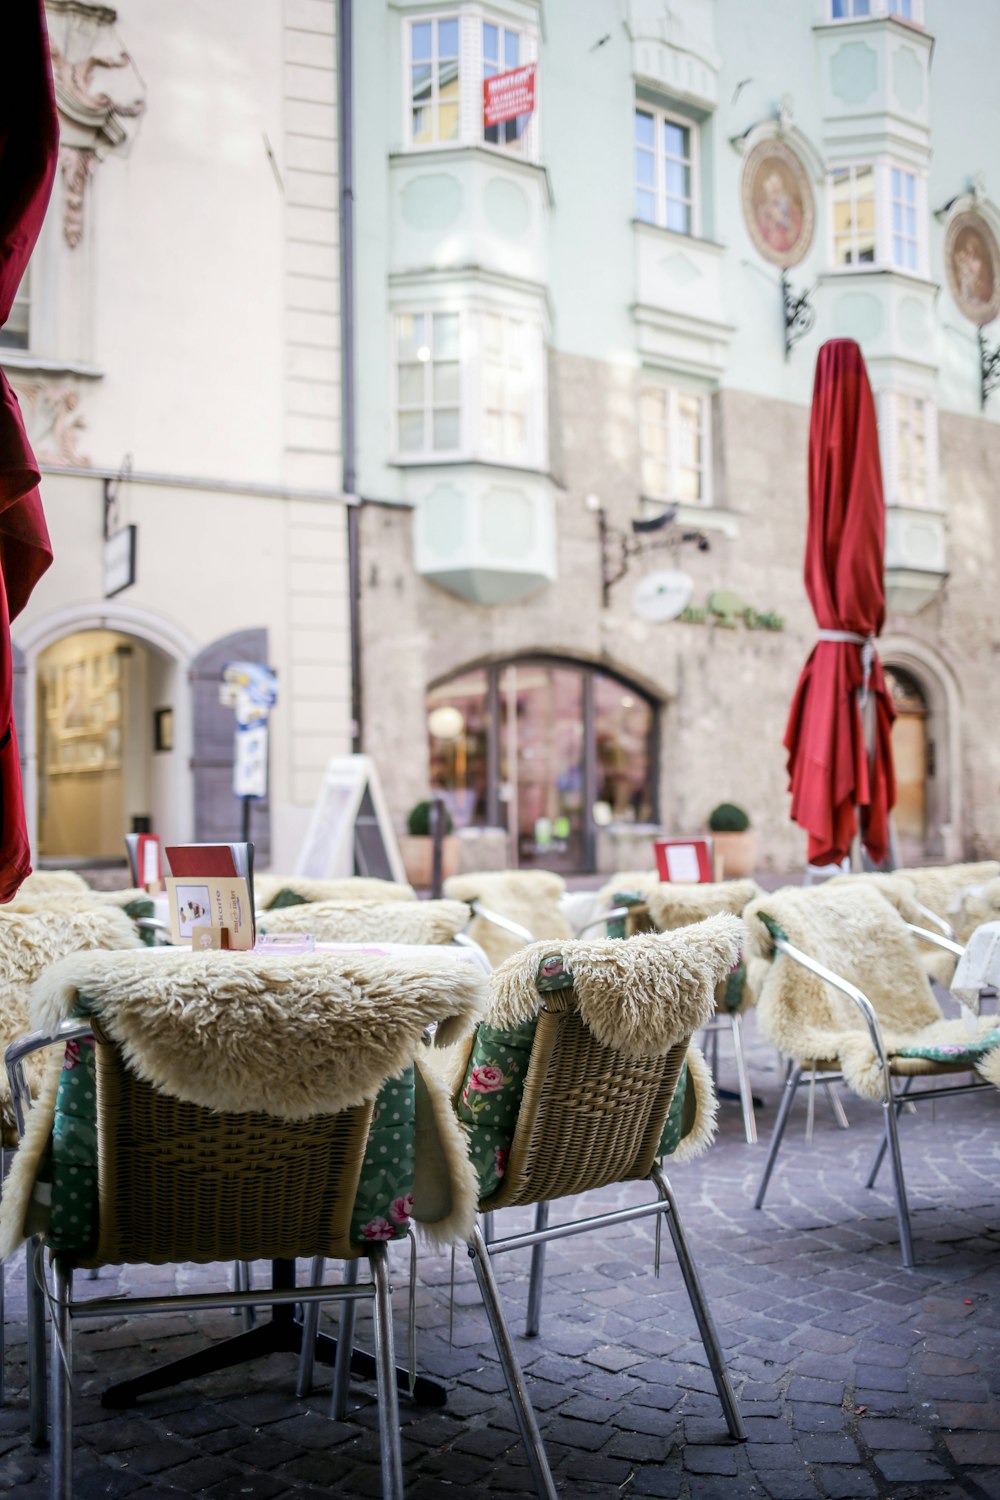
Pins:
<point x="972" y="262"/>
<point x="778" y="204"/>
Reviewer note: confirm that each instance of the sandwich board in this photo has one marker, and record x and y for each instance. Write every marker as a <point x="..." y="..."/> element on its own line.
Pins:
<point x="350" y="832"/>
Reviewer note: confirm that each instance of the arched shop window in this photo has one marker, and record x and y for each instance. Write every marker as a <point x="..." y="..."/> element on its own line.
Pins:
<point x="547" y="749"/>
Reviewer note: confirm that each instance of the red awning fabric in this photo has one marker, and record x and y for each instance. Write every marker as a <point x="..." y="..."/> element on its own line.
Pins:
<point x="29" y="142"/>
<point x="832" y="771"/>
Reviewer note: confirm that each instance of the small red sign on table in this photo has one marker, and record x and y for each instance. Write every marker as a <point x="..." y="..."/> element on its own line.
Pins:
<point x="507" y="95"/>
<point x="684" y="859"/>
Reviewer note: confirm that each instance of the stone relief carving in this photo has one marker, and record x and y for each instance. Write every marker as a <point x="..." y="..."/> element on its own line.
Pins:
<point x="83" y="41"/>
<point x="52" y="421"/>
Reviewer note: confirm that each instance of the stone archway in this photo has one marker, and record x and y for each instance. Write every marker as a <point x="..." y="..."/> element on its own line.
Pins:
<point x="942" y="742"/>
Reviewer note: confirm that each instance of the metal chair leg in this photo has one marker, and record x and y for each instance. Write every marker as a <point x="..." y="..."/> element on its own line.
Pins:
<point x="38" y="1423"/>
<point x="536" y="1280"/>
<point x="791" y="1084"/>
<point x="837" y="1105"/>
<point x="390" y="1446"/>
<point x="310" y="1326"/>
<point x="61" y="1473"/>
<point x="899" y="1185"/>
<point x="242" y="1282"/>
<point x="345" y="1344"/>
<point x="488" y="1226"/>
<point x="880" y="1153"/>
<point x="523" y="1410"/>
<point x="706" y="1324"/>
<point x="746" y="1093"/>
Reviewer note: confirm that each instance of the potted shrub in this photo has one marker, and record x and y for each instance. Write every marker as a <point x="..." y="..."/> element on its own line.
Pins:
<point x="417" y="847"/>
<point x="733" y="840"/>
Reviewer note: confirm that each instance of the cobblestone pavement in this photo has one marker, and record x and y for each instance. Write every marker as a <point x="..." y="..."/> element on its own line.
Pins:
<point x="855" y="1377"/>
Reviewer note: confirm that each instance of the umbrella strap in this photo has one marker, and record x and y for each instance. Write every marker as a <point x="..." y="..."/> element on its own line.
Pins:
<point x="867" y="644"/>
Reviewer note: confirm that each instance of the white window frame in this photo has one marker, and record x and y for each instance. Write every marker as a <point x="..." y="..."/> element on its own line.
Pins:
<point x="433" y="19"/>
<point x="22" y="299"/>
<point x="473" y="443"/>
<point x="428" y="451"/>
<point x="471" y="130"/>
<point x="893" y="408"/>
<point x="660" y="118"/>
<point x="662" y="387"/>
<point x="882" y="169"/>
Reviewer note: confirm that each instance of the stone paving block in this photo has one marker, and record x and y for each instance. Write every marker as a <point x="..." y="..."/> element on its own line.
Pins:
<point x="785" y="1484"/>
<point x="885" y="1432"/>
<point x="829" y="1448"/>
<point x="767" y="1456"/>
<point x="710" y="1458"/>
<point x="908" y="1468"/>
<point x="809" y="1388"/>
<point x="973" y="1447"/>
<point x="845" y="1484"/>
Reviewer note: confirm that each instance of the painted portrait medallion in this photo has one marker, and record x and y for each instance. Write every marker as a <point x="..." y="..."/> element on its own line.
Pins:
<point x="778" y="204"/>
<point x="972" y="262"/>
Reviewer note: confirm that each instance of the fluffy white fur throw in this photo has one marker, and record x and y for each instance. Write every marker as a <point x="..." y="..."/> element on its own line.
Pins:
<point x="901" y="891"/>
<point x="980" y="903"/>
<point x="530" y="897"/>
<point x="672" y="904"/>
<point x="637" y="882"/>
<point x="851" y="928"/>
<point x="706" y="1110"/>
<point x="370" y="921"/>
<point x="30" y="944"/>
<point x="349" y="888"/>
<point x="941" y="888"/>
<point x="291" y="1036"/>
<point x="641" y="995"/>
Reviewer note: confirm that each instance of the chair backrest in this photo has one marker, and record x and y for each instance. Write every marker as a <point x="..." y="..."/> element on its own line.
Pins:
<point x="370" y="921"/>
<point x="528" y="897"/>
<point x="853" y="930"/>
<point x="613" y="1027"/>
<point x="288" y="890"/>
<point x="178" y="1182"/>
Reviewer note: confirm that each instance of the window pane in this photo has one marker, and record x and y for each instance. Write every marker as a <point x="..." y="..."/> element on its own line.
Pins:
<point x="653" y="405"/>
<point x="446" y="429"/>
<point x="421" y="83"/>
<point x="623" y="726"/>
<point x="678" y="216"/>
<point x="897" y="218"/>
<point x="420" y="33"/>
<point x="839" y="9"/>
<point x="654" y="440"/>
<point x="422" y="132"/>
<point x="864" y="182"/>
<point x="446" y="335"/>
<point x="654" y="478"/>
<point x="675" y="139"/>
<point x="897" y="183"/>
<point x="678" y="180"/>
<point x="862" y="7"/>
<point x="447" y="39"/>
<point x="411" y="385"/>
<point x="645" y="169"/>
<point x="514" y="428"/>
<point x="411" y="431"/>
<point x="409" y="334"/>
<point x="688" y="484"/>
<point x="447" y="384"/>
<point x="511" y="49"/>
<point x="645" y="206"/>
<point x="491" y="44"/>
<point x="643" y="129"/>
<point x="448" y="122"/>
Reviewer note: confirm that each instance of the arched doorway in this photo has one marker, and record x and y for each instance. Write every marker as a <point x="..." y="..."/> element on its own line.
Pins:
<point x="547" y="748"/>
<point x="105" y="744"/>
<point x="913" y="759"/>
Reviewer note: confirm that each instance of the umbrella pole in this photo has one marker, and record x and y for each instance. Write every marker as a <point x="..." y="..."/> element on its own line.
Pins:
<point x="859" y="854"/>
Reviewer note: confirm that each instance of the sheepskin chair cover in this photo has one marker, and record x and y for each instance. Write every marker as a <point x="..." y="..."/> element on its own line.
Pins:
<point x="530" y="897"/>
<point x="371" y="921"/>
<point x="673" y="904"/>
<point x="347" y="888"/>
<point x="30" y="944"/>
<point x="640" y="995"/>
<point x="900" y="890"/>
<point x="980" y="904"/>
<point x="852" y="929"/>
<point x="941" y="888"/>
<point x="631" y="882"/>
<point x="290" y="1037"/>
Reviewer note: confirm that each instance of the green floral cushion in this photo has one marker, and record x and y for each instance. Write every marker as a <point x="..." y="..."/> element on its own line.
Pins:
<point x="956" y="1052"/>
<point x="490" y="1100"/>
<point x="384" y="1199"/>
<point x="142" y="907"/>
<point x="285" y="897"/>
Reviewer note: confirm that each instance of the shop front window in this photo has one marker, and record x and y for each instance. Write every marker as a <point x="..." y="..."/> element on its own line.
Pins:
<point x="549" y="750"/>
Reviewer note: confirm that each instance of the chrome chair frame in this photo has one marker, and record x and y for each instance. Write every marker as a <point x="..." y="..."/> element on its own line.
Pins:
<point x="65" y="1309"/>
<point x="892" y="1100"/>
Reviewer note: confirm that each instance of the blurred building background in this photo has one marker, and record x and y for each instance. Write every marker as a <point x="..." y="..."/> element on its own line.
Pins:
<point x="595" y="247"/>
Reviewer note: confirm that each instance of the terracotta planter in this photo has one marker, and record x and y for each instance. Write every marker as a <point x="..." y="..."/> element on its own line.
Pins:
<point x="737" y="851"/>
<point x="418" y="854"/>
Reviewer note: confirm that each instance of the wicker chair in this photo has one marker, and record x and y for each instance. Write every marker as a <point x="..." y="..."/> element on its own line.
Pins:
<point x="667" y="906"/>
<point x="846" y="998"/>
<point x="592" y="1115"/>
<point x="178" y="1181"/>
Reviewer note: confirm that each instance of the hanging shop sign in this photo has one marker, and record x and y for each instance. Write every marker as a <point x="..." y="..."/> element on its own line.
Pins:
<point x="662" y="595"/>
<point x="507" y="95"/>
<point x="778" y="205"/>
<point x="119" y="561"/>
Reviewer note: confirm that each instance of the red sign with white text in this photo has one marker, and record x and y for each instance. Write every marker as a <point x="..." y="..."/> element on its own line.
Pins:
<point x="507" y="95"/>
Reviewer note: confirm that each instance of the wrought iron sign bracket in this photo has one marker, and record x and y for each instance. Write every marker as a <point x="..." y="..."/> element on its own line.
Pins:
<point x="799" y="313"/>
<point x="618" y="548"/>
<point x="989" y="368"/>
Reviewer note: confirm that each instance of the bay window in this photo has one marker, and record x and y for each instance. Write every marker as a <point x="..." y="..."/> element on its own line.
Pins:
<point x="449" y="60"/>
<point x="878" y="216"/>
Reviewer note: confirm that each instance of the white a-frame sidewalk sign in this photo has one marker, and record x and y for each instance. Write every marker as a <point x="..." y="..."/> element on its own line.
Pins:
<point x="351" y="832"/>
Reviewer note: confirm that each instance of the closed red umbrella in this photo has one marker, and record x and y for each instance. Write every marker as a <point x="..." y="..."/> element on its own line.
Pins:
<point x="835" y="767"/>
<point x="29" y="139"/>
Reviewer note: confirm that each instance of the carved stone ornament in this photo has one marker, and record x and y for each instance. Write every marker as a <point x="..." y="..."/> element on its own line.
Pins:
<point x="76" y="167"/>
<point x="778" y="205"/>
<point x="52" y="421"/>
<point x="972" y="263"/>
